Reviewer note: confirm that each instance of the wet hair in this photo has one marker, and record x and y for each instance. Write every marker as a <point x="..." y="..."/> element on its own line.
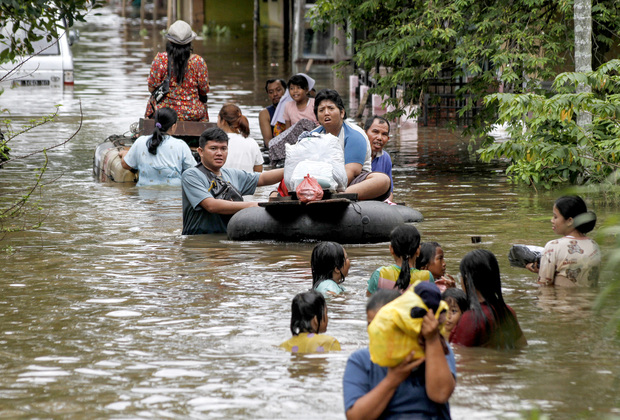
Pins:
<point x="328" y="95"/>
<point x="459" y="297"/>
<point x="371" y="120"/>
<point x="326" y="257"/>
<point x="213" y="134"/>
<point x="270" y="81"/>
<point x="405" y="241"/>
<point x="381" y="298"/>
<point x="574" y="206"/>
<point x="428" y="250"/>
<point x="305" y="307"/>
<point x="298" y="80"/>
<point x="165" y="117"/>
<point x="178" y="56"/>
<point x="480" y="272"/>
<point x="238" y="123"/>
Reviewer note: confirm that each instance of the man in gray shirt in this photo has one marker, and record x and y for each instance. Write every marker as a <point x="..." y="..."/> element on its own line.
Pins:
<point x="203" y="212"/>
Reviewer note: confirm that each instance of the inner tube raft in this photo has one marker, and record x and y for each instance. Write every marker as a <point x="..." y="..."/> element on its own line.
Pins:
<point x="337" y="220"/>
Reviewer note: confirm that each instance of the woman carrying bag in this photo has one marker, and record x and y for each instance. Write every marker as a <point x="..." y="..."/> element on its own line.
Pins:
<point x="186" y="74"/>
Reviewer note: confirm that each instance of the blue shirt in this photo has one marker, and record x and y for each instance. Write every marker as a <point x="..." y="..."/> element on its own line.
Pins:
<point x="196" y="220"/>
<point x="383" y="163"/>
<point x="166" y="166"/>
<point x="409" y="401"/>
<point x="329" y="286"/>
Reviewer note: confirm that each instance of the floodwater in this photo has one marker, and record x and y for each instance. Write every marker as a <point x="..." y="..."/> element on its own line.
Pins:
<point x="108" y="312"/>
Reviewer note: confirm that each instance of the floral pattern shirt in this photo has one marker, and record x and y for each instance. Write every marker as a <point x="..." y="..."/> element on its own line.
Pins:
<point x="579" y="260"/>
<point x="182" y="98"/>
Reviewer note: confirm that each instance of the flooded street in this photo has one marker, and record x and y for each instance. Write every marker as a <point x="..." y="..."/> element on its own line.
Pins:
<point x="108" y="312"/>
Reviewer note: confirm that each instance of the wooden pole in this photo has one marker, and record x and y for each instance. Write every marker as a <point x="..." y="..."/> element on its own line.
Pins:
<point x="142" y="14"/>
<point x="170" y="13"/>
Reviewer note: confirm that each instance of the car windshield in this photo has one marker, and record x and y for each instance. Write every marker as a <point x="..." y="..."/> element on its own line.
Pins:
<point x="42" y="46"/>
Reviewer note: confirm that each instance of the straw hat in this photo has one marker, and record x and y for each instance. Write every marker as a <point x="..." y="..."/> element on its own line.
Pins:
<point x="180" y="33"/>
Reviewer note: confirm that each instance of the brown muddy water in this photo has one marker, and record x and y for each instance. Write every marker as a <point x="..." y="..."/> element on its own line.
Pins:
<point x="108" y="312"/>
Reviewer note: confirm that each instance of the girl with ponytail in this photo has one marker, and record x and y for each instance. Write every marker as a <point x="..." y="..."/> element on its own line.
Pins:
<point x="404" y="247"/>
<point x="243" y="151"/>
<point x="574" y="259"/>
<point x="159" y="158"/>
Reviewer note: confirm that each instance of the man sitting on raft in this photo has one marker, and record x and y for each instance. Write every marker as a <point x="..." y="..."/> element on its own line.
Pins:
<point x="330" y="112"/>
<point x="212" y="194"/>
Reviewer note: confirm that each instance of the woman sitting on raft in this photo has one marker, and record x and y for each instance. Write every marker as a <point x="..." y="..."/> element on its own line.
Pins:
<point x="189" y="78"/>
<point x="489" y="322"/>
<point x="574" y="259"/>
<point x="159" y="158"/>
<point x="330" y="266"/>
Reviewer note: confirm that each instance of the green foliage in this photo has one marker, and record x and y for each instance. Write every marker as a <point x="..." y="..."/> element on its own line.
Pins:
<point x="38" y="17"/>
<point x="608" y="298"/>
<point x="546" y="146"/>
<point x="212" y="29"/>
<point x="486" y="44"/>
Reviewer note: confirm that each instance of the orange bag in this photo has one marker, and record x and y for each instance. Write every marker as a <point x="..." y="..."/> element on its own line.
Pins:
<point x="309" y="190"/>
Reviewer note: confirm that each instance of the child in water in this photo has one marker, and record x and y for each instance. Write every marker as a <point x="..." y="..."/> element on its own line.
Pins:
<point x="308" y="322"/>
<point x="330" y="265"/>
<point x="404" y="247"/>
<point x="457" y="301"/>
<point x="431" y="258"/>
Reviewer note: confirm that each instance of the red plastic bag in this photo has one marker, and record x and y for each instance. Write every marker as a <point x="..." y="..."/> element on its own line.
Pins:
<point x="309" y="190"/>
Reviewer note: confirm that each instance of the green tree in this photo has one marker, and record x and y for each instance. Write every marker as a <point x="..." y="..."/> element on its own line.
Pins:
<point x="37" y="18"/>
<point x="512" y="45"/>
<point x="547" y="146"/>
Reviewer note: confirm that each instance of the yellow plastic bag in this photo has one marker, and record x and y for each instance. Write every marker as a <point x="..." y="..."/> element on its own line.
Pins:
<point x="393" y="333"/>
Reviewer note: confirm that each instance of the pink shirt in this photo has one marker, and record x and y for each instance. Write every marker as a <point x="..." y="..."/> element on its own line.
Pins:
<point x="293" y="114"/>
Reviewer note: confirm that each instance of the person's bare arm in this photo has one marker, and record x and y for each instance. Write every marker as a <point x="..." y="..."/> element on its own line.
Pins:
<point x="265" y="126"/>
<point x="271" y="177"/>
<point x="371" y="405"/>
<point x="257" y="168"/>
<point x="121" y="154"/>
<point x="287" y="124"/>
<point x="440" y="382"/>
<point x="353" y="170"/>
<point x="218" y="206"/>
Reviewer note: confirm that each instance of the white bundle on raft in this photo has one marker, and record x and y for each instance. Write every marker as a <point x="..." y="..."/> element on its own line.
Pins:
<point x="320" y="156"/>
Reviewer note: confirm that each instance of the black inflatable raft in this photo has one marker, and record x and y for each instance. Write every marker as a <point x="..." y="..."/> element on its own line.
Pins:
<point x="337" y="219"/>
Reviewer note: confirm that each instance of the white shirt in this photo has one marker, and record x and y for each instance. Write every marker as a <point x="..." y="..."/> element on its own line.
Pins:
<point x="173" y="157"/>
<point x="243" y="153"/>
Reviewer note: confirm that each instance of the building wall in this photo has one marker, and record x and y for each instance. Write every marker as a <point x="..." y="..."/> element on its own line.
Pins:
<point x="229" y="12"/>
<point x="271" y="12"/>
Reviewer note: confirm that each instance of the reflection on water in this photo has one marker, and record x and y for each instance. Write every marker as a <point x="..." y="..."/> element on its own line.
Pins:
<point x="106" y="309"/>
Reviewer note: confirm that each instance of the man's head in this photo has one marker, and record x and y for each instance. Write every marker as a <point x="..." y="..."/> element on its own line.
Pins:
<point x="378" y="132"/>
<point x="213" y="148"/>
<point x="329" y="110"/>
<point x="275" y="89"/>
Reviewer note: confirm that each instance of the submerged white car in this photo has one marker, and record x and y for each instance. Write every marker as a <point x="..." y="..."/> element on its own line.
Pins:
<point x="50" y="65"/>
